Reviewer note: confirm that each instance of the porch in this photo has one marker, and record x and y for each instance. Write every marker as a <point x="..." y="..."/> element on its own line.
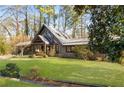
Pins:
<point x="42" y="48"/>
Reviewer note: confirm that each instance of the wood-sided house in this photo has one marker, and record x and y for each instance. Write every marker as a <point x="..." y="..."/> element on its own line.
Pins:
<point x="50" y="40"/>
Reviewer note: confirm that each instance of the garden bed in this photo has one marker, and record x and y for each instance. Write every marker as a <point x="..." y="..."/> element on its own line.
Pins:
<point x="57" y="83"/>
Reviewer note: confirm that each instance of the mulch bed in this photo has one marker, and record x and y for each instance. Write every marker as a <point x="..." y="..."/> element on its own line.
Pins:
<point x="57" y="83"/>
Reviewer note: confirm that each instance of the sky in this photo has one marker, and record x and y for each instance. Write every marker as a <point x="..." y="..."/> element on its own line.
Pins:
<point x="4" y="14"/>
<point x="31" y="11"/>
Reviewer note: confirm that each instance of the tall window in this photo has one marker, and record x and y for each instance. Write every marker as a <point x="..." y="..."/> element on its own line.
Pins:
<point x="69" y="49"/>
<point x="57" y="48"/>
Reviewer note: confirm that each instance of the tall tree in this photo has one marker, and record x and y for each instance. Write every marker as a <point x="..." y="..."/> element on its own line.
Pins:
<point x="13" y="12"/>
<point x="40" y="20"/>
<point x="26" y="21"/>
<point x="106" y="24"/>
<point x="54" y="17"/>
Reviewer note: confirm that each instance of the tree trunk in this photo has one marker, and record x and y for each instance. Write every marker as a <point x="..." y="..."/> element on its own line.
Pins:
<point x="34" y="25"/>
<point x="48" y="20"/>
<point x="65" y="24"/>
<point x="59" y="20"/>
<point x="54" y="18"/>
<point x="81" y="27"/>
<point x="40" y="21"/>
<point x="54" y="21"/>
<point x="17" y="24"/>
<point x="74" y="31"/>
<point x="26" y="23"/>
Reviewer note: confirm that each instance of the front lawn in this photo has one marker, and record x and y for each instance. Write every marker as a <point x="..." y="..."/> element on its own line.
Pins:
<point x="85" y="72"/>
<point x="6" y="82"/>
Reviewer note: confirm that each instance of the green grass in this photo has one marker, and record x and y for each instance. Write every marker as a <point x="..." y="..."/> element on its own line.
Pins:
<point x="6" y="82"/>
<point x="85" y="72"/>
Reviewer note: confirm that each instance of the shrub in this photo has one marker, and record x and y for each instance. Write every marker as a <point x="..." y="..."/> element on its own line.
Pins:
<point x="40" y="54"/>
<point x="34" y="72"/>
<point x="91" y="55"/>
<point x="100" y="56"/>
<point x="122" y="57"/>
<point x="5" y="48"/>
<point x="11" y="70"/>
<point x="114" y="51"/>
<point x="45" y="56"/>
<point x="84" y="53"/>
<point x="31" y="56"/>
<point x="52" y="53"/>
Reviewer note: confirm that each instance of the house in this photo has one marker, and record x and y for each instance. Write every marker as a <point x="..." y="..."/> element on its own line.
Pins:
<point x="50" y="40"/>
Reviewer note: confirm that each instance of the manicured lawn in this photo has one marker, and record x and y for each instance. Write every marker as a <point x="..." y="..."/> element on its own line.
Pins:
<point x="85" y="72"/>
<point x="5" y="82"/>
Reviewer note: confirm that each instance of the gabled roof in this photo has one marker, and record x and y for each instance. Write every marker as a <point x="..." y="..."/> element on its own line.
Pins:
<point x="61" y="37"/>
<point x="24" y="43"/>
<point x="65" y="39"/>
<point x="44" y="39"/>
<point x="76" y="41"/>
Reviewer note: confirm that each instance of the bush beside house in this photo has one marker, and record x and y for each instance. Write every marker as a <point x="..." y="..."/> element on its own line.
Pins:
<point x="83" y="52"/>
